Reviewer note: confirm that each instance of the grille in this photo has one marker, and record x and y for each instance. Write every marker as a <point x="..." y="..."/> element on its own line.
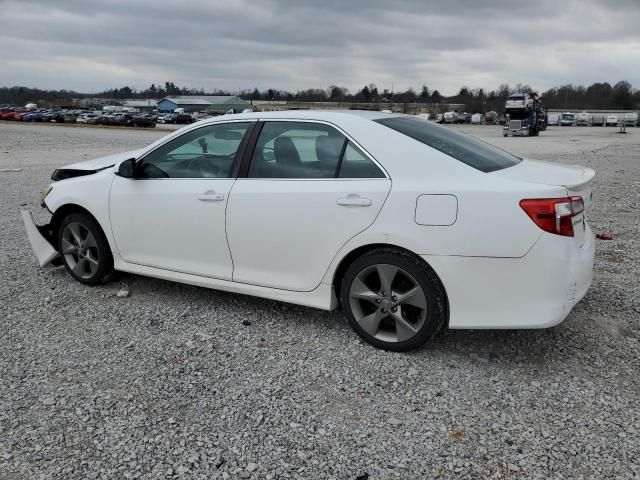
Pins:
<point x="515" y="124"/>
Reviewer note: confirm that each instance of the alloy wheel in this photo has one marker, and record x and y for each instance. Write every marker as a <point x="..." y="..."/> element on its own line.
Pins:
<point x="388" y="303"/>
<point x="80" y="250"/>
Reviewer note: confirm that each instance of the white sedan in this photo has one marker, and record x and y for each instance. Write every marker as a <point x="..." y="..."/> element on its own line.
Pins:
<point x="406" y="225"/>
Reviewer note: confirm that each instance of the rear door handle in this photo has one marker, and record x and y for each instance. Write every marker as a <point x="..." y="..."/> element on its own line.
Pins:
<point x="211" y="196"/>
<point x="354" y="201"/>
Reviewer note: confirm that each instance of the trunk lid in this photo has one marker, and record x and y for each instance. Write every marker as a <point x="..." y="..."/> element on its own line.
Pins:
<point x="576" y="179"/>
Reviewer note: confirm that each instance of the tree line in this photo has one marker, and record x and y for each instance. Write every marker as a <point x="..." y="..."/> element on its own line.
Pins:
<point x="621" y="95"/>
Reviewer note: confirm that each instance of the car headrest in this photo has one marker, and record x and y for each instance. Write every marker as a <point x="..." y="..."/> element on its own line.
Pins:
<point x="285" y="151"/>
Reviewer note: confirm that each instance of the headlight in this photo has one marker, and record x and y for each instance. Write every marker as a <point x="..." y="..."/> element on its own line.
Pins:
<point x="46" y="191"/>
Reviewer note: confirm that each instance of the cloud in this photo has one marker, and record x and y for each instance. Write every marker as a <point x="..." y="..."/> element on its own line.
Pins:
<point x="92" y="45"/>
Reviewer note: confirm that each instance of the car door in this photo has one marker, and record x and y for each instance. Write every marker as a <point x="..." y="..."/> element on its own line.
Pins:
<point x="307" y="190"/>
<point x="171" y="215"/>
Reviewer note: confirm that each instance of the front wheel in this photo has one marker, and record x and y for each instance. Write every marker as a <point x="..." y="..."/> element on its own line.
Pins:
<point x="84" y="249"/>
<point x="393" y="299"/>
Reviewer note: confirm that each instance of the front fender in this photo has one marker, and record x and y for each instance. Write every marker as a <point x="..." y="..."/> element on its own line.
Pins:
<point x="91" y="193"/>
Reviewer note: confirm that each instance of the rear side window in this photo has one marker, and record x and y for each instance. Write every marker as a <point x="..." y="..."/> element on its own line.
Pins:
<point x="356" y="165"/>
<point x="296" y="150"/>
<point x="466" y="149"/>
<point x="308" y="150"/>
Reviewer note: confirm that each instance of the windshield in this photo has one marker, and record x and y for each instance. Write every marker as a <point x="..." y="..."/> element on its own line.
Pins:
<point x="568" y="116"/>
<point x="466" y="149"/>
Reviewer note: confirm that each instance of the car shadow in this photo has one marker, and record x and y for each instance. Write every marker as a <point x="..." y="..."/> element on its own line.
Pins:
<point x="533" y="347"/>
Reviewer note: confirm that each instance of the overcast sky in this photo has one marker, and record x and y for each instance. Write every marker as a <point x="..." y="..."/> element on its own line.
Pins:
<point x="88" y="45"/>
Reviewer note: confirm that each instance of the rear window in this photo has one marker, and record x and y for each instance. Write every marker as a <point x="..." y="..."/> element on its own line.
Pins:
<point x="466" y="149"/>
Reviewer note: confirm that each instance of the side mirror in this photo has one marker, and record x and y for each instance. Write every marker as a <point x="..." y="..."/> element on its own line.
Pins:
<point x="126" y="168"/>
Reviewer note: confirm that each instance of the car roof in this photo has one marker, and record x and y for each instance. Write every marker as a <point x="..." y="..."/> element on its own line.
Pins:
<point x="326" y="115"/>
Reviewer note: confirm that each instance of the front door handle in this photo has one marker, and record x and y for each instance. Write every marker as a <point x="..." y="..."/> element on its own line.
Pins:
<point x="211" y="196"/>
<point x="354" y="201"/>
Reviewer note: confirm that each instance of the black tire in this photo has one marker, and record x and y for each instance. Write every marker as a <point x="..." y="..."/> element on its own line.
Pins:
<point x="436" y="315"/>
<point x="95" y="258"/>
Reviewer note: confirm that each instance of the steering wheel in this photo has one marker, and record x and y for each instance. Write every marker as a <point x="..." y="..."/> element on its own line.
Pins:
<point x="204" y="167"/>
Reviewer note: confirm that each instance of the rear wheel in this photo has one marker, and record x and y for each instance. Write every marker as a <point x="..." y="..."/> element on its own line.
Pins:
<point x="393" y="300"/>
<point x="84" y="249"/>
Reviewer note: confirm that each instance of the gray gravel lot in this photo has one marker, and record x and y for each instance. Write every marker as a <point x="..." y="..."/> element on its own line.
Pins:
<point x="175" y="381"/>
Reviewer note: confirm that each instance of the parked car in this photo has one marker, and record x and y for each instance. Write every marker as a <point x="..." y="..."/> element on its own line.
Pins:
<point x="463" y="117"/>
<point x="139" y="121"/>
<point x="476" y="118"/>
<point x="33" y="117"/>
<point x="612" y="120"/>
<point x="183" y="119"/>
<point x="86" y="117"/>
<point x="518" y="101"/>
<point x="19" y="116"/>
<point x="402" y="262"/>
<point x="450" y="117"/>
<point x="59" y="117"/>
<point x="583" y="119"/>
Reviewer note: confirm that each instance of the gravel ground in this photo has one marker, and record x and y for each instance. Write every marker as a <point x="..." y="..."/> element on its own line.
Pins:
<point x="174" y="381"/>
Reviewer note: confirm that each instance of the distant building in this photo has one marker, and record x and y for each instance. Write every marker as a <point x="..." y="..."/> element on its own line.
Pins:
<point x="204" y="103"/>
<point x="140" y="105"/>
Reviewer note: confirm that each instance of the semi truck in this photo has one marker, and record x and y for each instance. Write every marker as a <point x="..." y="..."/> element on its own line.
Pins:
<point x="524" y="115"/>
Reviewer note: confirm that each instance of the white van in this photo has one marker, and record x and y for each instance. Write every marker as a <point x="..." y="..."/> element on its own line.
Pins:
<point x="612" y="120"/>
<point x="476" y="118"/>
<point x="568" y="119"/>
<point x="553" y="119"/>
<point x="631" y="119"/>
<point x="584" y="119"/>
<point x="598" y="119"/>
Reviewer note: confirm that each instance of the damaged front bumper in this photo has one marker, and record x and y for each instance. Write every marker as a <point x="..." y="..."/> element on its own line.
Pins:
<point x="40" y="239"/>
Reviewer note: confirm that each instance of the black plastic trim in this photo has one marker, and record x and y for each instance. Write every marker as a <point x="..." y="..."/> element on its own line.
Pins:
<point x="65" y="173"/>
<point x="245" y="144"/>
<point x="248" y="153"/>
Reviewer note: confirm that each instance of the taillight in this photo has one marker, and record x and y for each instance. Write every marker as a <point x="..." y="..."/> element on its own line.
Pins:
<point x="554" y="215"/>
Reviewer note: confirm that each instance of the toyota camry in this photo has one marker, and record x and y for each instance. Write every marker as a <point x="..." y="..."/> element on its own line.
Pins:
<point x="405" y="225"/>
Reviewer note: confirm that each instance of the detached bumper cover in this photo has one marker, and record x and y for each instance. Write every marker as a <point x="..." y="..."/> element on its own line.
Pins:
<point x="41" y="247"/>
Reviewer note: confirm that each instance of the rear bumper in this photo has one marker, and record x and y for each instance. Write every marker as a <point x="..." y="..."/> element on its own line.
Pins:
<point x="43" y="250"/>
<point x="535" y="291"/>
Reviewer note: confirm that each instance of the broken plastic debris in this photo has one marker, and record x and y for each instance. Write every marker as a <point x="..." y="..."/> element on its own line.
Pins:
<point x="604" y="236"/>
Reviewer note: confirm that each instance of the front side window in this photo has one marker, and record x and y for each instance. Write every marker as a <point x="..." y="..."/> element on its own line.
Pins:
<point x="207" y="152"/>
<point x="466" y="149"/>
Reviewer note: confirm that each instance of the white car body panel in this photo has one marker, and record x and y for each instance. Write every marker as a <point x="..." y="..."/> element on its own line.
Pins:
<point x="168" y="210"/>
<point x="488" y="292"/>
<point x="284" y="239"/>
<point x="104" y="162"/>
<point x="284" y="233"/>
<point x="436" y="210"/>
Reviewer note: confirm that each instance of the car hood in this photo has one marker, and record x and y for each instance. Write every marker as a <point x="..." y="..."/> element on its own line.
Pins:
<point x="103" y="162"/>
